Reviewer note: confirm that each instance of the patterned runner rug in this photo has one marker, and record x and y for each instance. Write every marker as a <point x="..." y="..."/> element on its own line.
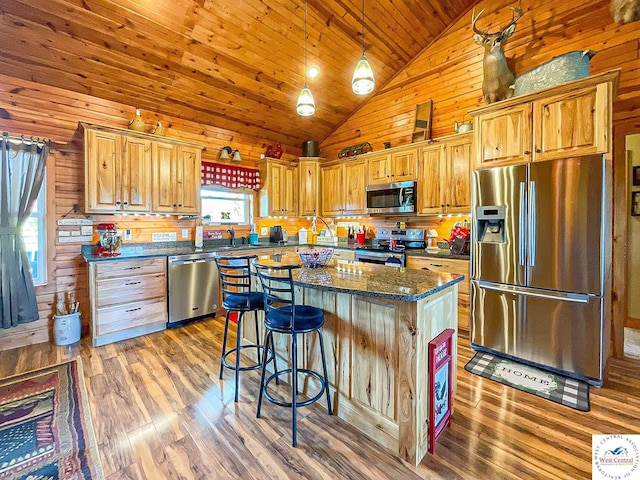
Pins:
<point x="557" y="388"/>
<point x="45" y="426"/>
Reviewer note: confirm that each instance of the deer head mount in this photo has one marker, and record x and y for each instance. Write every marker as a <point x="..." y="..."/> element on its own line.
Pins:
<point x="498" y="79"/>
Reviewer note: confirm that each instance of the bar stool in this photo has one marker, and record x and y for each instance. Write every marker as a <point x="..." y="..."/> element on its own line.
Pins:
<point x="284" y="316"/>
<point x="237" y="296"/>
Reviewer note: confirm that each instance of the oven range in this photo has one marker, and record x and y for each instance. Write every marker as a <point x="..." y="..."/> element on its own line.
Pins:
<point x="381" y="251"/>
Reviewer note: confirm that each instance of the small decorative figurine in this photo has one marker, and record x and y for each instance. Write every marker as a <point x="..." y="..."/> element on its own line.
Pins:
<point x="137" y="123"/>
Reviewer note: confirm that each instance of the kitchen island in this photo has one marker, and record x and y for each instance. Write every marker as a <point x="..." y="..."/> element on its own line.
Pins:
<point x="378" y="323"/>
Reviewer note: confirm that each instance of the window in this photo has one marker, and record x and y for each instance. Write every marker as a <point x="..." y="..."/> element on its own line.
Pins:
<point x="224" y="206"/>
<point x="35" y="238"/>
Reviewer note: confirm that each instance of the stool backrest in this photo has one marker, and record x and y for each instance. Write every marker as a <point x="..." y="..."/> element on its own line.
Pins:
<point x="278" y="288"/>
<point x="235" y="276"/>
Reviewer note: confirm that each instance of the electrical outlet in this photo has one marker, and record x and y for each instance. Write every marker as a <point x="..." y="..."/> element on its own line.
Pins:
<point x="185" y="233"/>
<point x="127" y="234"/>
<point x="264" y="231"/>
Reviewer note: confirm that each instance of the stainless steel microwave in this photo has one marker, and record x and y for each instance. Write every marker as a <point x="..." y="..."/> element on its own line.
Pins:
<point x="389" y="198"/>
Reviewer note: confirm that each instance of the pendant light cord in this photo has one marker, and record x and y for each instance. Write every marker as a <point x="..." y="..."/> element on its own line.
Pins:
<point x="305" y="41"/>
<point x="363" y="27"/>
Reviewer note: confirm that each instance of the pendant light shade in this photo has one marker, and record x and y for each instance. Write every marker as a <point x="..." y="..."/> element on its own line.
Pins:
<point x="362" y="81"/>
<point x="306" y="106"/>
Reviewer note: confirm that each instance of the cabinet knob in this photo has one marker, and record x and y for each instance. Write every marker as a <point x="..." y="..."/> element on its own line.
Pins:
<point x="527" y="152"/>
<point x="538" y="150"/>
<point x="180" y="205"/>
<point x="174" y="205"/>
<point x="442" y="205"/>
<point x="117" y="204"/>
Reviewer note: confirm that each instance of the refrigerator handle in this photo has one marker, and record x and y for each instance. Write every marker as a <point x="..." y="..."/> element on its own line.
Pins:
<point x="533" y="224"/>
<point x="533" y="292"/>
<point x="522" y="254"/>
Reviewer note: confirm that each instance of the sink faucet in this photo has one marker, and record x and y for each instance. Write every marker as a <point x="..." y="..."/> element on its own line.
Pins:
<point x="233" y="236"/>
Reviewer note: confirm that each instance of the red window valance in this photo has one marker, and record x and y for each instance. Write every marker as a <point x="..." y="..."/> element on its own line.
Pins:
<point x="229" y="176"/>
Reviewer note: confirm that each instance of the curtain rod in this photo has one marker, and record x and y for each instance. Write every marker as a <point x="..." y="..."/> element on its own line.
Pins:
<point x="26" y="140"/>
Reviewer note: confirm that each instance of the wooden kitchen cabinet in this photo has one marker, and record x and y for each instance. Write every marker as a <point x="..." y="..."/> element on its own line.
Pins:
<point x="279" y="193"/>
<point x="343" y="189"/>
<point x="392" y="166"/>
<point x="135" y="172"/>
<point x="446" y="265"/>
<point x="309" y="174"/>
<point x="128" y="298"/>
<point x="175" y="178"/>
<point x="572" y="119"/>
<point x="444" y="172"/>
<point x="116" y="173"/>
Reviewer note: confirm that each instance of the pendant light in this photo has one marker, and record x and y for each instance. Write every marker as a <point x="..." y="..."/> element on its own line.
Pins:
<point x="305" y="106"/>
<point x="363" y="82"/>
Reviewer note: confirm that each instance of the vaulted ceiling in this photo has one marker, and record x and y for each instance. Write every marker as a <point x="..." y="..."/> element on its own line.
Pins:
<point x="237" y="65"/>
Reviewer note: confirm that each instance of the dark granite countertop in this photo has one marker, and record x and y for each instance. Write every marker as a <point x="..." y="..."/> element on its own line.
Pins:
<point x="165" y="249"/>
<point x="368" y="279"/>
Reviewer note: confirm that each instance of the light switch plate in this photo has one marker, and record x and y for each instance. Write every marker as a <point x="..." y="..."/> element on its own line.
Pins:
<point x="264" y="231"/>
<point x="185" y="233"/>
<point x="127" y="234"/>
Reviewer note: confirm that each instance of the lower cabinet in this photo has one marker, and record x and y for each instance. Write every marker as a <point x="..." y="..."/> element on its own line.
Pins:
<point x="128" y="298"/>
<point x="449" y="266"/>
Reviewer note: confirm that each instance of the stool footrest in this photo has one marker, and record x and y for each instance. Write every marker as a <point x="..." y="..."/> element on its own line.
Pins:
<point x="250" y="367"/>
<point x="305" y="371"/>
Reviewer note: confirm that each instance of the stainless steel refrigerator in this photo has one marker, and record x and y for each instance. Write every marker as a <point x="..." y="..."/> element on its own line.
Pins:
<point x="539" y="264"/>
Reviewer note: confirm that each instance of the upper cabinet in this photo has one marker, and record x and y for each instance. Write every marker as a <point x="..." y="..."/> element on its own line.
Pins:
<point x="279" y="193"/>
<point x="136" y="172"/>
<point x="117" y="173"/>
<point x="309" y="173"/>
<point x="571" y="119"/>
<point x="175" y="178"/>
<point x="343" y="188"/>
<point x="394" y="166"/>
<point x="444" y="170"/>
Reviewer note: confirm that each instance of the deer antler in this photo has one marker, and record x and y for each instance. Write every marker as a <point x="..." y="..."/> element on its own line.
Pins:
<point x="474" y="19"/>
<point x="516" y="11"/>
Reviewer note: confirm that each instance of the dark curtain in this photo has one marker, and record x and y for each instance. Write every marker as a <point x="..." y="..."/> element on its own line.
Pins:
<point x="21" y="175"/>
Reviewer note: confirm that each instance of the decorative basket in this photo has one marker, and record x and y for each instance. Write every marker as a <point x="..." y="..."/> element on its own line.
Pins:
<point x="317" y="257"/>
<point x="561" y="69"/>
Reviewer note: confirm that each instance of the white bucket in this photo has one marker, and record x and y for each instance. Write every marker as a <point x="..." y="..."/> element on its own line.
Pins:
<point x="66" y="328"/>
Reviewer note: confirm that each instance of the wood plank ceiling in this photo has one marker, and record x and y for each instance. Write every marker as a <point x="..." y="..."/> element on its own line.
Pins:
<point x="237" y="65"/>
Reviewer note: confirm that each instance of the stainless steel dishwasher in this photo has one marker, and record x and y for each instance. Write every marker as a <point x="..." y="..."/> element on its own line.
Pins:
<point x="193" y="287"/>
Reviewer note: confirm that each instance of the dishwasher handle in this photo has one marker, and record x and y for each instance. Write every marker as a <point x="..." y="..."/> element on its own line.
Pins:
<point x="188" y="262"/>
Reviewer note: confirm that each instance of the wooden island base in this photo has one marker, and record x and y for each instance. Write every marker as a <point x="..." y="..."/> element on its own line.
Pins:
<point x="377" y="359"/>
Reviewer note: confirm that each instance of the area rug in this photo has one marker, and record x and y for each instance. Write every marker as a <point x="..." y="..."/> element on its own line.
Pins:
<point x="45" y="426"/>
<point x="557" y="388"/>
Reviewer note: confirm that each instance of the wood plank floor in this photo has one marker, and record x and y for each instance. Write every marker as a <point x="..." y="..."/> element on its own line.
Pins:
<point x="160" y="412"/>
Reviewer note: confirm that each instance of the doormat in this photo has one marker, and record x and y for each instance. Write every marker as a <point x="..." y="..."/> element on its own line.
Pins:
<point x="45" y="426"/>
<point x="557" y="388"/>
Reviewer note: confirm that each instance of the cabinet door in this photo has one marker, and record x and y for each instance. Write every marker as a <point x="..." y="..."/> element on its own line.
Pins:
<point x="503" y="137"/>
<point x="103" y="152"/>
<point x="136" y="180"/>
<point x="354" y="196"/>
<point x="404" y="165"/>
<point x="187" y="177"/>
<point x="458" y="187"/>
<point x="431" y="171"/>
<point x="332" y="190"/>
<point x="276" y="174"/>
<point x="379" y="168"/>
<point x="289" y="190"/>
<point x="309" y="171"/>
<point x="571" y="124"/>
<point x="162" y="183"/>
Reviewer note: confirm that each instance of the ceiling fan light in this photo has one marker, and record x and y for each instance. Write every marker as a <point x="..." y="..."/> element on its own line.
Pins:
<point x="306" y="105"/>
<point x="362" y="81"/>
